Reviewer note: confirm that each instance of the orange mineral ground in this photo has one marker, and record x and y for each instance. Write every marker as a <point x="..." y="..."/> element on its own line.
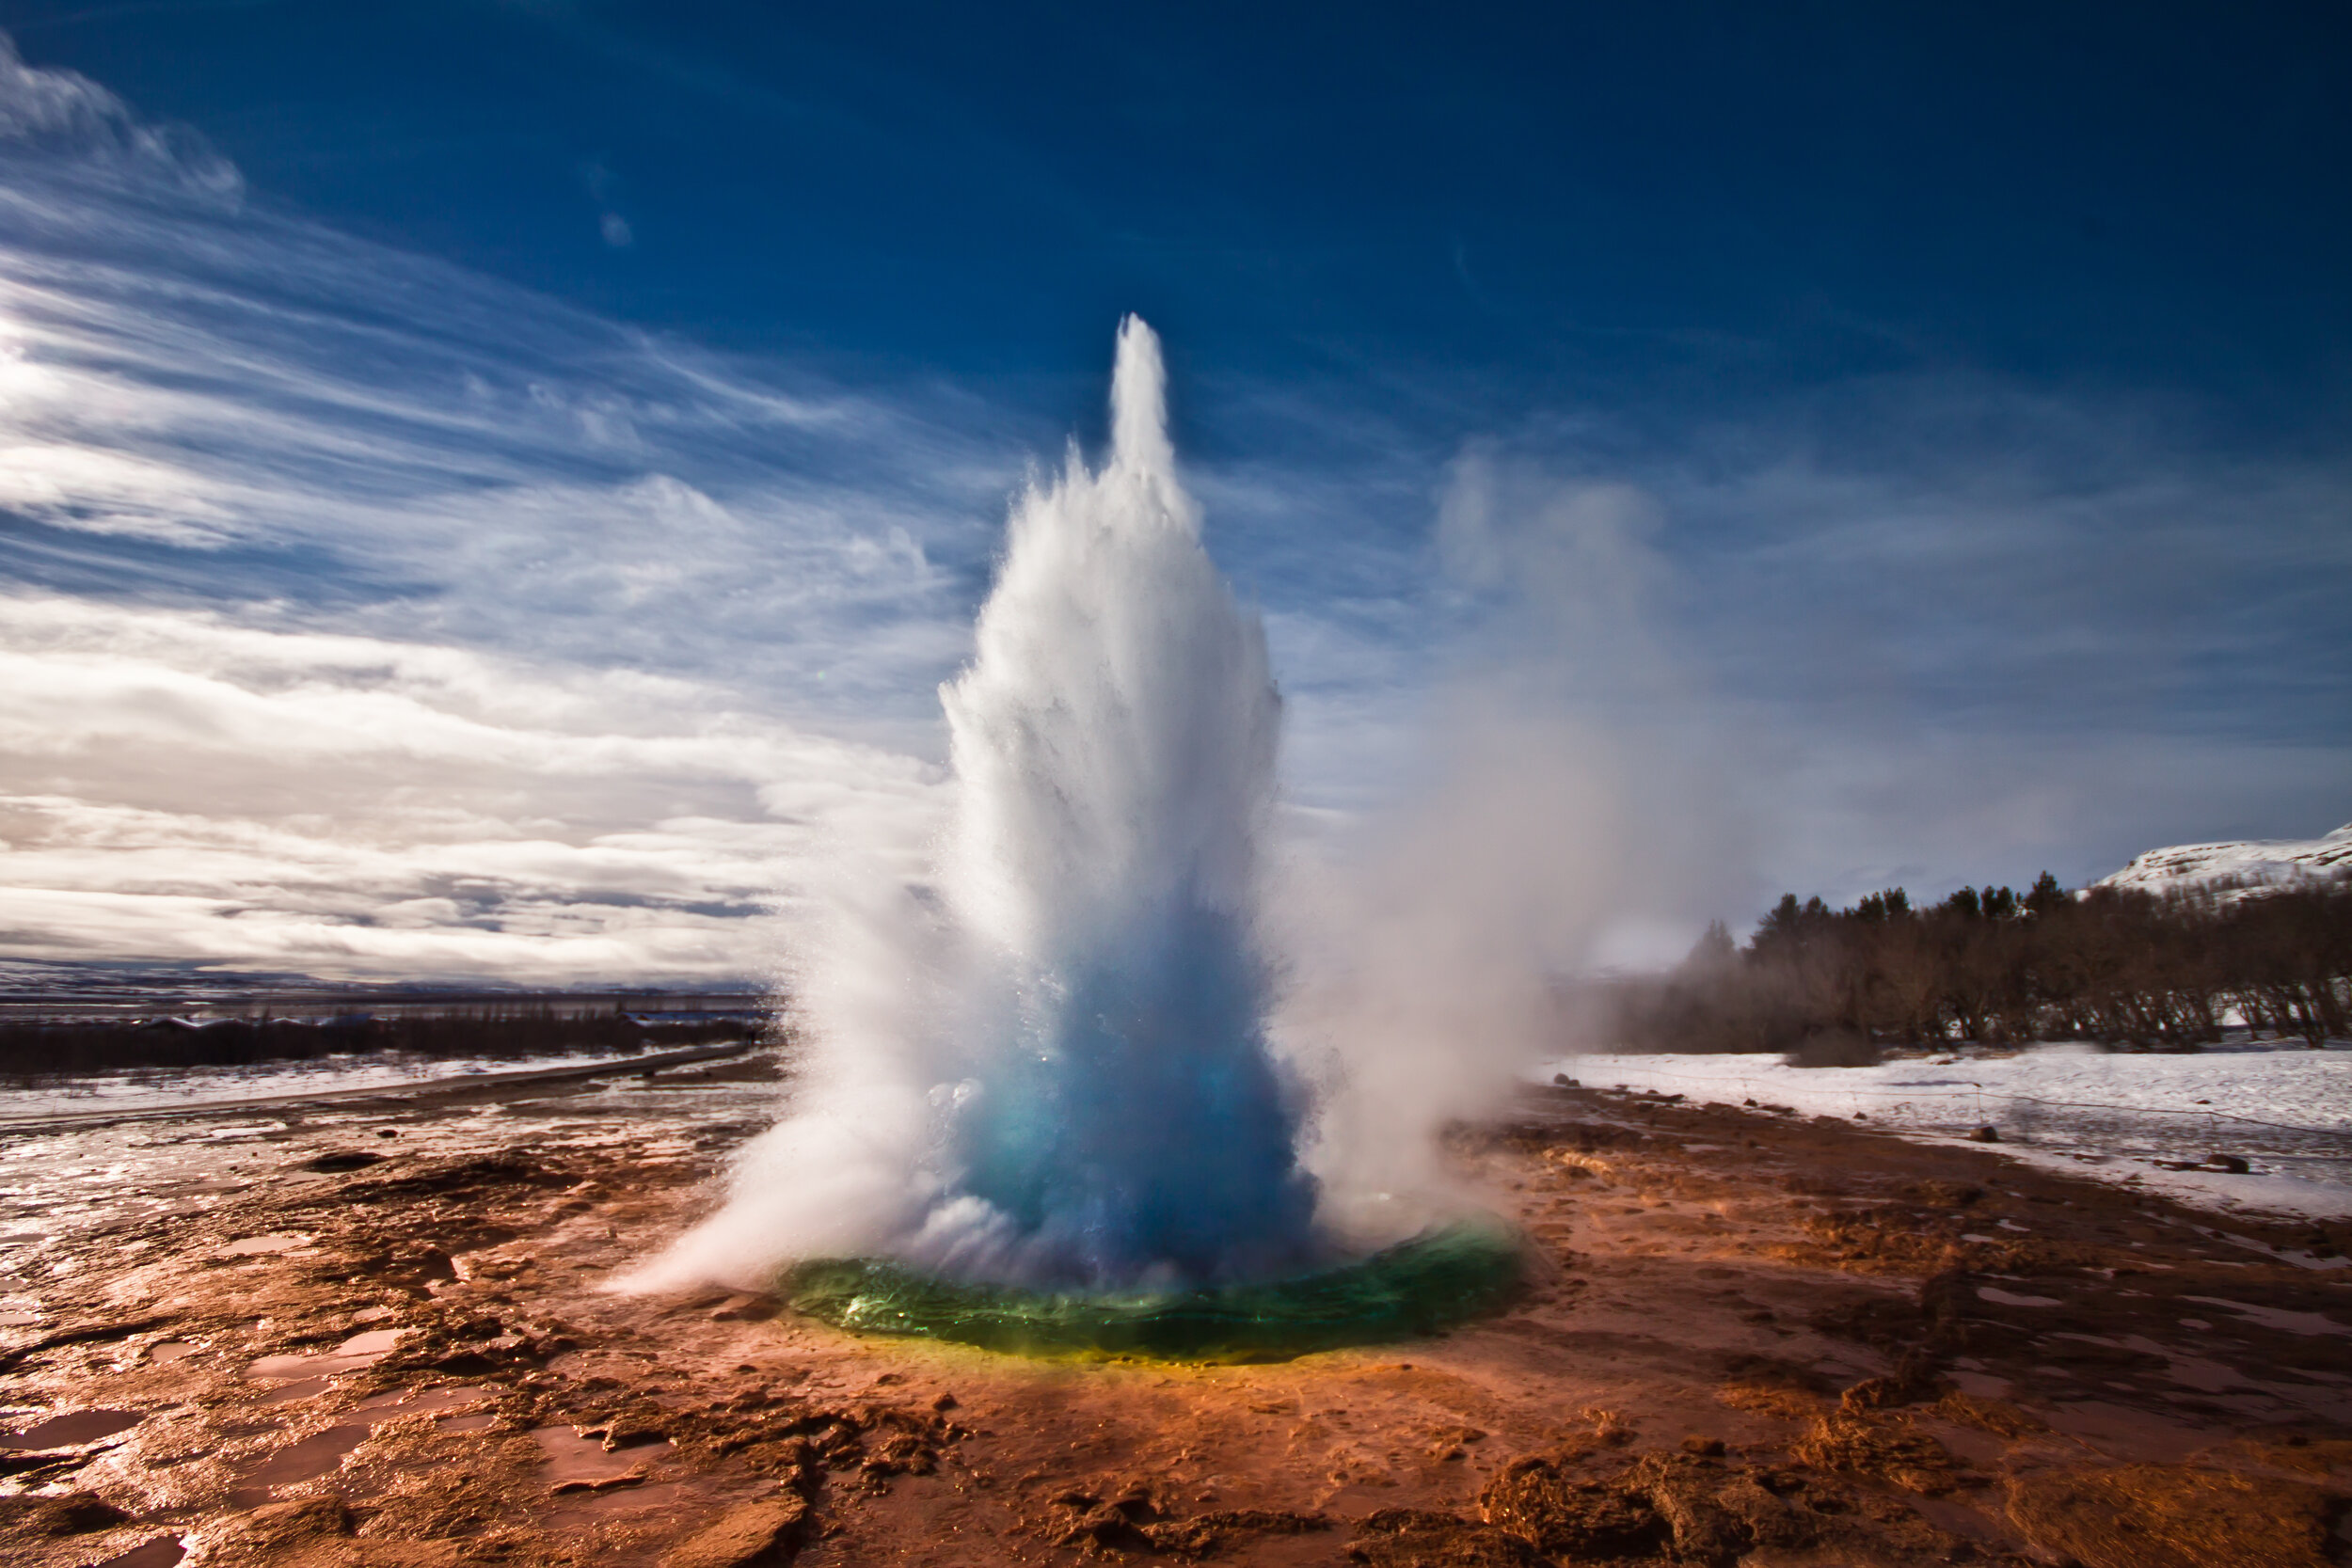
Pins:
<point x="375" y="1333"/>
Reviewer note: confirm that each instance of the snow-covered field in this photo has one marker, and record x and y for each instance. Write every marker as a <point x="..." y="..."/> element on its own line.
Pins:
<point x="163" y="1088"/>
<point x="2286" y="1110"/>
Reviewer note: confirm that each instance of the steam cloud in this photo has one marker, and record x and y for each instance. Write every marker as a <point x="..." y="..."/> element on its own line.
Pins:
<point x="1124" y="1038"/>
<point x="1054" y="1067"/>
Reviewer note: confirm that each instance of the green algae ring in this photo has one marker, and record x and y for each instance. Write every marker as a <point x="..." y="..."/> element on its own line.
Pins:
<point x="1436" y="1280"/>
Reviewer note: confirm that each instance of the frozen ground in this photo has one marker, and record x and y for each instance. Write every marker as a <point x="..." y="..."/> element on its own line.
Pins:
<point x="165" y="1088"/>
<point x="220" y="1326"/>
<point x="2285" y="1110"/>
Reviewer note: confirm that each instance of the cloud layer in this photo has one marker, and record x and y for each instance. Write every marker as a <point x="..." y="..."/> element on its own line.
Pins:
<point x="363" y="615"/>
<point x="174" y="785"/>
<point x="368" y="618"/>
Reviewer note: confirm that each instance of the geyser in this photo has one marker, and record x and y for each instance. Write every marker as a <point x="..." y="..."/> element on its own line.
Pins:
<point x="1120" y="1118"/>
<point x="1037" y="1094"/>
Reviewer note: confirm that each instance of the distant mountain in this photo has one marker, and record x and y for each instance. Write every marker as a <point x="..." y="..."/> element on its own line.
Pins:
<point x="2242" y="865"/>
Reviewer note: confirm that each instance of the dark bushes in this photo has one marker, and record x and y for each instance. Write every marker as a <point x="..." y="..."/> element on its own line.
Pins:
<point x="1835" y="1048"/>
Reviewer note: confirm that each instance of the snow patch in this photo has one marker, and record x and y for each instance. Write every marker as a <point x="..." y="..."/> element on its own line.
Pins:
<point x="2239" y="865"/>
<point x="2112" y="1116"/>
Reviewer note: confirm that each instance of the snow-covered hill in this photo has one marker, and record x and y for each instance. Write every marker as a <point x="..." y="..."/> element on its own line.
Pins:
<point x="2243" y="864"/>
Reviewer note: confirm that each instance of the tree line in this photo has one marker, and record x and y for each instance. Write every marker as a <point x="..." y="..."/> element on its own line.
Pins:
<point x="2124" y="967"/>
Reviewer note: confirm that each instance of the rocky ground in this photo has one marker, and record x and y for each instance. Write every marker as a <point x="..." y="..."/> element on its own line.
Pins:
<point x="377" y="1334"/>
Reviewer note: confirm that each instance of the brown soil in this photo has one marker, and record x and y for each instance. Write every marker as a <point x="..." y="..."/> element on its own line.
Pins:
<point x="1747" y="1339"/>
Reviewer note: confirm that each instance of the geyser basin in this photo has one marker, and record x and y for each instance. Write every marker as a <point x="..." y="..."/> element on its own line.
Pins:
<point x="1433" y="1281"/>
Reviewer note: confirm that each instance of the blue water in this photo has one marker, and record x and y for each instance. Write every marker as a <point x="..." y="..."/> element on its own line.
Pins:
<point x="1139" y="1124"/>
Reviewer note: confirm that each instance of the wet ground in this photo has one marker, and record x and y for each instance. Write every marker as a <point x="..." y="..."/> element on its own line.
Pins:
<point x="376" y="1333"/>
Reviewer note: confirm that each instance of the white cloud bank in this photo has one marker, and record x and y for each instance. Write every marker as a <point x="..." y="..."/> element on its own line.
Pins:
<point x="177" y="786"/>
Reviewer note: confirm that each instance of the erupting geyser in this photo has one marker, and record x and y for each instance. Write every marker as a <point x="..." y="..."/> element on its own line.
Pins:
<point x="1120" y="1118"/>
<point x="1046" y="1079"/>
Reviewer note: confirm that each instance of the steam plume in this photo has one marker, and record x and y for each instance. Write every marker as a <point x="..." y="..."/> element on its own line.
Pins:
<point x="1054" y="1067"/>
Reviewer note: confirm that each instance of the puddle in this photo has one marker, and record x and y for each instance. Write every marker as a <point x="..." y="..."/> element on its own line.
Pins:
<point x="322" y="1451"/>
<point x="577" y="1509"/>
<point x="162" y="1552"/>
<point x="471" y="1424"/>
<point x="428" y="1402"/>
<point x="75" y="1427"/>
<point x="361" y="1349"/>
<point x="18" y="1320"/>
<point x="577" y="1462"/>
<point x="2287" y="1255"/>
<point x="23" y="1237"/>
<point x="307" y="1459"/>
<point x="1983" y="1386"/>
<point x="2206" y="1377"/>
<point x="300" y="1388"/>
<point x="2011" y="1298"/>
<point x="167" y="1350"/>
<point x="253" y="1247"/>
<point x="1958" y="1518"/>
<point x="2277" y="1318"/>
<point x="2125" y="1433"/>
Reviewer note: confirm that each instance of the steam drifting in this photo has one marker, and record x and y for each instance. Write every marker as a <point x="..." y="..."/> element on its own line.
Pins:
<point x="1053" y="1067"/>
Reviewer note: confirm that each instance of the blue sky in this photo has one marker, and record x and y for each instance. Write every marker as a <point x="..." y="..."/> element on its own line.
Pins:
<point x="493" y="488"/>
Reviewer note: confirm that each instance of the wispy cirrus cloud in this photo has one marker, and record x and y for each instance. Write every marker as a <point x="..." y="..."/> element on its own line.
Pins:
<point x="204" y="396"/>
<point x="370" y="616"/>
<point x="480" y="488"/>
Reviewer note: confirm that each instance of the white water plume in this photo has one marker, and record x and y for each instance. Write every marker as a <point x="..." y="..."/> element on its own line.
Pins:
<point x="1054" y="1067"/>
